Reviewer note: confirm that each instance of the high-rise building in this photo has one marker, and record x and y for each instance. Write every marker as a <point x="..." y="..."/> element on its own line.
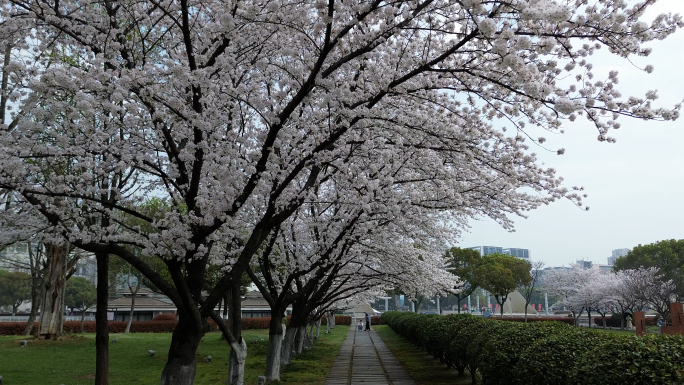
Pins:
<point x="615" y="254"/>
<point x="486" y="250"/>
<point x="519" y="253"/>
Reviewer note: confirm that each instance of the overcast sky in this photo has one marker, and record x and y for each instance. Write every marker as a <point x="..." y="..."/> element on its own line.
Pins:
<point x="635" y="186"/>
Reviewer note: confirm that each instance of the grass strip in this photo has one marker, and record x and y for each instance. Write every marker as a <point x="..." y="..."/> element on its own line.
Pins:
<point x="422" y="367"/>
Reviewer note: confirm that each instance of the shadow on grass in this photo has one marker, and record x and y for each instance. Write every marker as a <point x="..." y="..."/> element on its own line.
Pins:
<point x="422" y="367"/>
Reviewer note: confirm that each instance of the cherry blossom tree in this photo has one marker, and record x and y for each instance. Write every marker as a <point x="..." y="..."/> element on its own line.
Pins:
<point x="596" y="294"/>
<point x="330" y="251"/>
<point x="570" y="284"/>
<point x="650" y="287"/>
<point x="236" y="112"/>
<point x="625" y="300"/>
<point x="602" y="294"/>
<point x="528" y="290"/>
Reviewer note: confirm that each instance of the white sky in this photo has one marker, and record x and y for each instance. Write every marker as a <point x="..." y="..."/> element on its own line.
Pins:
<point x="635" y="186"/>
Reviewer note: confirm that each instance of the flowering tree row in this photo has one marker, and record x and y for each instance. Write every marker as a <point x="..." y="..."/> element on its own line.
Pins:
<point x="624" y="291"/>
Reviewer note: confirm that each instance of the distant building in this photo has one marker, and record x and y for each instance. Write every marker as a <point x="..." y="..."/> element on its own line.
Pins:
<point x="15" y="257"/>
<point x="486" y="250"/>
<point x="148" y="304"/>
<point x="86" y="267"/>
<point x="519" y="253"/>
<point x="595" y="266"/>
<point x="617" y="253"/>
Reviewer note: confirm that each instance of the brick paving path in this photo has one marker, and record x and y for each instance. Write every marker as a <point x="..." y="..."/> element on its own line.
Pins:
<point x="365" y="360"/>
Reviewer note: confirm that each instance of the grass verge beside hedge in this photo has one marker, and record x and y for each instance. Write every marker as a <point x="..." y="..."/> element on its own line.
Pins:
<point x="422" y="368"/>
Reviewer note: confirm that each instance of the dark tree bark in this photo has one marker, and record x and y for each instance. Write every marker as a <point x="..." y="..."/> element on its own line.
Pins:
<point x="238" y="351"/>
<point x="101" y="322"/>
<point x="54" y="283"/>
<point x="134" y="292"/>
<point x="181" y="366"/>
<point x="275" y="343"/>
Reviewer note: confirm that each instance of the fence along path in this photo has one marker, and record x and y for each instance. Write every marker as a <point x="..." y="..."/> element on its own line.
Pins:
<point x="365" y="360"/>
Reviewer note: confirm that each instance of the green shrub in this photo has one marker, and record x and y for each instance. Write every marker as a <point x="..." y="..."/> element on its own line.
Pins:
<point x="542" y="353"/>
<point x="553" y="359"/>
<point x="431" y="333"/>
<point x="503" y="349"/>
<point x="460" y="336"/>
<point x="653" y="359"/>
<point x="165" y="317"/>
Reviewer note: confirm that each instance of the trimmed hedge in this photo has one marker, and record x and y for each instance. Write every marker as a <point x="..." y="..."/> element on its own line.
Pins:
<point x="165" y="317"/>
<point x="616" y="322"/>
<point x="12" y="328"/>
<point x="256" y="323"/>
<point x="155" y="326"/>
<point x="339" y="319"/>
<point x="17" y="328"/>
<point x="566" y="320"/>
<point x="542" y="352"/>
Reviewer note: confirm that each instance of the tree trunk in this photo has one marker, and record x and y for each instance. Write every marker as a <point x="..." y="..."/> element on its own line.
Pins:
<point x="526" y="305"/>
<point x="130" y="315"/>
<point x="62" y="298"/>
<point x="318" y="328"/>
<point x="288" y="344"/>
<point x="310" y="331"/>
<point x="181" y="366"/>
<point x="299" y="339"/>
<point x="589" y="316"/>
<point x="83" y="313"/>
<point x="225" y="306"/>
<point x="308" y="336"/>
<point x="329" y="319"/>
<point x="236" y="366"/>
<point x="37" y="287"/>
<point x="101" y="323"/>
<point x="238" y="354"/>
<point x="35" y="305"/>
<point x="54" y="283"/>
<point x="275" y="344"/>
<point x="3" y="83"/>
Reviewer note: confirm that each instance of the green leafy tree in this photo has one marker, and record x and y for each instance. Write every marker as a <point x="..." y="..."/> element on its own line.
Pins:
<point x="15" y="288"/>
<point x="667" y="256"/>
<point x="501" y="274"/>
<point x="464" y="263"/>
<point x="80" y="293"/>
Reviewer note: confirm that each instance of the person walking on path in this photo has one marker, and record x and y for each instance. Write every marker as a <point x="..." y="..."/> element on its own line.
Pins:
<point x="367" y="322"/>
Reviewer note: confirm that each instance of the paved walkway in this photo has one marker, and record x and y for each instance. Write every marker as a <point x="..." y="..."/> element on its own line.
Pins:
<point x="365" y="360"/>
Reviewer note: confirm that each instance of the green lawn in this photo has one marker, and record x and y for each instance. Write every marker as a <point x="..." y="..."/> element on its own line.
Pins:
<point x="71" y="360"/>
<point x="424" y="369"/>
<point x="649" y="330"/>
